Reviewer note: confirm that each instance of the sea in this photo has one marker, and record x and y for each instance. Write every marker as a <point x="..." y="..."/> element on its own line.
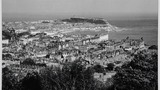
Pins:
<point x="148" y="29"/>
<point x="135" y="29"/>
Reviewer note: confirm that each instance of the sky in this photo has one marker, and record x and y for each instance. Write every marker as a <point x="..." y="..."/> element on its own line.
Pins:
<point x="110" y="8"/>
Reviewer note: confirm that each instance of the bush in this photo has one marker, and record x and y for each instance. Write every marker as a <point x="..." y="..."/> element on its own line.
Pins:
<point x="110" y="66"/>
<point x="32" y="81"/>
<point x="7" y="56"/>
<point x="153" y="47"/>
<point x="99" y="69"/>
<point x="73" y="76"/>
<point x="139" y="74"/>
<point x="28" y="61"/>
<point x="9" y="81"/>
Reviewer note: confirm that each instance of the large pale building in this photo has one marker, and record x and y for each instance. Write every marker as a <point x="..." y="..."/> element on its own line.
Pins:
<point x="103" y="37"/>
<point x="6" y="41"/>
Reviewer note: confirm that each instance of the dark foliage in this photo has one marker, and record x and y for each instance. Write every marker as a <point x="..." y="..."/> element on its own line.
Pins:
<point x="9" y="81"/>
<point x="82" y="20"/>
<point x="110" y="66"/>
<point x="73" y="76"/>
<point x="31" y="82"/>
<point x="8" y="34"/>
<point x="7" y="56"/>
<point x="28" y="61"/>
<point x="153" y="47"/>
<point x="139" y="74"/>
<point x="22" y="34"/>
<point x="99" y="69"/>
<point x="41" y="64"/>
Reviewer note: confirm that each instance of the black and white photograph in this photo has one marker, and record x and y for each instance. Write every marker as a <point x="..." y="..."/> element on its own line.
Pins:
<point x="79" y="45"/>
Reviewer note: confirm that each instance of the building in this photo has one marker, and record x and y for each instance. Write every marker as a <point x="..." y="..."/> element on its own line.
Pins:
<point x="103" y="38"/>
<point x="21" y="30"/>
<point x="32" y="28"/>
<point x="35" y="32"/>
<point x="5" y="41"/>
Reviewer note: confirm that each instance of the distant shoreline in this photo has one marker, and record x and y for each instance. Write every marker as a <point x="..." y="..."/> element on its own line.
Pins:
<point x="28" y="17"/>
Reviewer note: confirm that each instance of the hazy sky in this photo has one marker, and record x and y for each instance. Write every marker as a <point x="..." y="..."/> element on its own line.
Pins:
<point x="80" y="7"/>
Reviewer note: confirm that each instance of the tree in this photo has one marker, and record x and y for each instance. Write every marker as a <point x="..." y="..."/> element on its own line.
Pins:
<point x="73" y="76"/>
<point x="153" y="47"/>
<point x="110" y="66"/>
<point x="9" y="81"/>
<point x="7" y="56"/>
<point x="99" y="69"/>
<point x="139" y="74"/>
<point x="28" y="61"/>
<point x="32" y="81"/>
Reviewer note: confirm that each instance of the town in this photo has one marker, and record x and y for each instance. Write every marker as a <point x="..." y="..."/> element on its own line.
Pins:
<point x="32" y="46"/>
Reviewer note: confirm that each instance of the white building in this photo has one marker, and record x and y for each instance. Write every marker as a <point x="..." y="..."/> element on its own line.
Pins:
<point x="32" y="28"/>
<point x="35" y="32"/>
<point x="6" y="41"/>
<point x="21" y="30"/>
<point x="104" y="37"/>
